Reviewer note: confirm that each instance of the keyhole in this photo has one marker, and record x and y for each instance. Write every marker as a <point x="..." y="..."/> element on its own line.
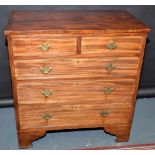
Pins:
<point x="78" y="61"/>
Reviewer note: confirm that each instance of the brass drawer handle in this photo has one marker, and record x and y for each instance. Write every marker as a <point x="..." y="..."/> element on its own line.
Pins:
<point x="44" y="47"/>
<point x="45" y="69"/>
<point x="104" y="113"/>
<point x="46" y="92"/>
<point x="47" y="116"/>
<point x="111" y="45"/>
<point x="108" y="90"/>
<point x="109" y="67"/>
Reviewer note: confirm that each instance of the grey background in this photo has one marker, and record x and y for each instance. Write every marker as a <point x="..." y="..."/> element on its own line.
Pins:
<point x="144" y="13"/>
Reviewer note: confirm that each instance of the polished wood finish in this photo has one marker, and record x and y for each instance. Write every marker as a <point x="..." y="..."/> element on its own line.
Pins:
<point x="124" y="44"/>
<point x="71" y="115"/>
<point x="73" y="22"/>
<point x="26" y="138"/>
<point x="73" y="90"/>
<point x="121" y="131"/>
<point x="31" y="46"/>
<point x="74" y="69"/>
<point x="79" y="67"/>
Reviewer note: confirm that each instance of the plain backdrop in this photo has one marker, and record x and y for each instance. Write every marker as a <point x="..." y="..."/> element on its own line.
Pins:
<point x="144" y="13"/>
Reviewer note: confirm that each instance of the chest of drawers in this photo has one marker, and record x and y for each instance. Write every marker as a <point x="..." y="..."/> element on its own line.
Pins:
<point x="74" y="69"/>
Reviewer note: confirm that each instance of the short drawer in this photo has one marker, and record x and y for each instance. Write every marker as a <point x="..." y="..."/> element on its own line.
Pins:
<point x="49" y="116"/>
<point x="74" y="91"/>
<point x="112" y="46"/>
<point x="40" y="47"/>
<point x="112" y="67"/>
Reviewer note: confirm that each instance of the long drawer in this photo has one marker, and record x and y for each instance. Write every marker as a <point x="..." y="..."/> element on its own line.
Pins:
<point x="49" y="116"/>
<point x="115" y="67"/>
<point x="74" y="91"/>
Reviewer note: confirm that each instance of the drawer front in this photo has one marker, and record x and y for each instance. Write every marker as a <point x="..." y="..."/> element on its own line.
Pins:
<point x="112" y="46"/>
<point x="43" y="46"/>
<point x="77" y="67"/>
<point x="74" y="91"/>
<point x="49" y="116"/>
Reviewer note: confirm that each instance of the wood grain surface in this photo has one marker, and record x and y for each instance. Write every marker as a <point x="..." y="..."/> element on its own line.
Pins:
<point x="67" y="117"/>
<point x="70" y="91"/>
<point x="75" y="45"/>
<point x="77" y="67"/>
<point x="57" y="46"/>
<point x="73" y="22"/>
<point x="98" y="45"/>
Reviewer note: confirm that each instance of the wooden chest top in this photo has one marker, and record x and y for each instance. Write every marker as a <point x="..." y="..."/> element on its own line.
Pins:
<point x="73" y="22"/>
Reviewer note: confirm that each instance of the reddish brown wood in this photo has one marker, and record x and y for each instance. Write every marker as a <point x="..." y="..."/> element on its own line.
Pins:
<point x="77" y="55"/>
<point x="125" y="44"/>
<point x="78" y="45"/>
<point x="69" y="91"/>
<point x="14" y="82"/>
<point x="58" y="46"/>
<point x="73" y="22"/>
<point x="122" y="132"/>
<point x="142" y="48"/>
<point x="77" y="67"/>
<point x="25" y="138"/>
<point x="69" y="115"/>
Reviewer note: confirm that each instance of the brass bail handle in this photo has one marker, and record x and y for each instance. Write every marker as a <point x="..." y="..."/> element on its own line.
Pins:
<point x="111" y="45"/>
<point x="44" y="47"/>
<point x="109" y="67"/>
<point x="46" y="92"/>
<point x="47" y="116"/>
<point x="45" y="69"/>
<point x="104" y="113"/>
<point x="108" y="90"/>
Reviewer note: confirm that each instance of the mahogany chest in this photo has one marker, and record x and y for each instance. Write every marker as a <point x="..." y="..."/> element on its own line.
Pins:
<point x="74" y="69"/>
